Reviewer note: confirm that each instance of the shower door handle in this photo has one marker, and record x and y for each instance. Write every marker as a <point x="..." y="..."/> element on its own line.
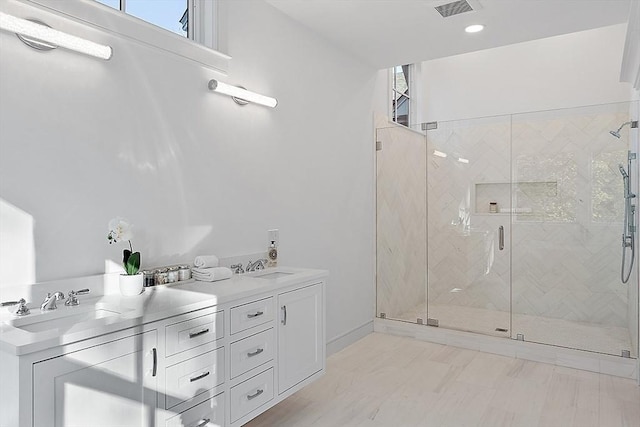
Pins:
<point x="501" y="238"/>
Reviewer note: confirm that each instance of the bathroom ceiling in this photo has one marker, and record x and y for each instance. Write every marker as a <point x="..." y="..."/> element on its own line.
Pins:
<point x="384" y="33"/>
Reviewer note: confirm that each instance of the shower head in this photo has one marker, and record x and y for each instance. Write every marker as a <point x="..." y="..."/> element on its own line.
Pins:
<point x="623" y="172"/>
<point x="616" y="133"/>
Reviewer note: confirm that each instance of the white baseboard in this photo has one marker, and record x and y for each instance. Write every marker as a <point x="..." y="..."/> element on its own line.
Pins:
<point x="336" y="344"/>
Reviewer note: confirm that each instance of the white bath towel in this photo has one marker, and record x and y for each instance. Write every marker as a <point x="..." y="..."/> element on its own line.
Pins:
<point x="211" y="274"/>
<point x="206" y="261"/>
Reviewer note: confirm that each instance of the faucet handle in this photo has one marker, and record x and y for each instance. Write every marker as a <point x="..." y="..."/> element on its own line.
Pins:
<point x="72" y="299"/>
<point x="21" y="310"/>
<point x="261" y="264"/>
<point x="237" y="268"/>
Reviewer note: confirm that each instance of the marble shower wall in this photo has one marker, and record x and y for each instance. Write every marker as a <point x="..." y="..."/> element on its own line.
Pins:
<point x="566" y="251"/>
<point x="401" y="219"/>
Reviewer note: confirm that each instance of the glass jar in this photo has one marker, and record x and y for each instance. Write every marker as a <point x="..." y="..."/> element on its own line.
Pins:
<point x="161" y="276"/>
<point x="173" y="274"/>
<point x="184" y="273"/>
<point x="149" y="278"/>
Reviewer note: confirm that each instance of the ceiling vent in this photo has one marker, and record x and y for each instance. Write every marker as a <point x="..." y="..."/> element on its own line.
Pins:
<point x="454" y="8"/>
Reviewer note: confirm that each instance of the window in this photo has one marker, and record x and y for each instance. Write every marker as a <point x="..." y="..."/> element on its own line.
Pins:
<point x="401" y="94"/>
<point x="172" y="15"/>
<point x="200" y="24"/>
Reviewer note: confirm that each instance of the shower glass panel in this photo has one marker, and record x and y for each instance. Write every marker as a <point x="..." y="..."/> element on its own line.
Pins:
<point x="568" y="207"/>
<point x="469" y="209"/>
<point x="401" y="223"/>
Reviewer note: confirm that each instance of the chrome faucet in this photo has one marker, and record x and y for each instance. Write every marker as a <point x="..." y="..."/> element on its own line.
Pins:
<point x="258" y="265"/>
<point x="49" y="302"/>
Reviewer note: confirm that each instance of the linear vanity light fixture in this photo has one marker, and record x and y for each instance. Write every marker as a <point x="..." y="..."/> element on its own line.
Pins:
<point x="240" y="95"/>
<point x="39" y="35"/>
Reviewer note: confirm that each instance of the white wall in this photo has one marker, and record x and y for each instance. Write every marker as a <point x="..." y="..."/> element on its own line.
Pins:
<point x="564" y="71"/>
<point x="140" y="136"/>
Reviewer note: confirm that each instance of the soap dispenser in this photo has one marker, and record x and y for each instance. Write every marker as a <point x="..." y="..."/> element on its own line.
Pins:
<point x="273" y="254"/>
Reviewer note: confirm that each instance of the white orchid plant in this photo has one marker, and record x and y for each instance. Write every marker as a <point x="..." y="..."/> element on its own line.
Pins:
<point x="120" y="230"/>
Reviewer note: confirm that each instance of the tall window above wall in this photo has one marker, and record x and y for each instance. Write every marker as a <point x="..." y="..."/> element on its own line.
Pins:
<point x="401" y="89"/>
<point x="187" y="18"/>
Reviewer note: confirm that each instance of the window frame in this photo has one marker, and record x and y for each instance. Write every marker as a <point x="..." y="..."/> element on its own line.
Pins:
<point x="396" y="94"/>
<point x="114" y="22"/>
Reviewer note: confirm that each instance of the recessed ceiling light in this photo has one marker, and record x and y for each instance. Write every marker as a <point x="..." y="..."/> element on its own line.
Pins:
<point x="474" y="28"/>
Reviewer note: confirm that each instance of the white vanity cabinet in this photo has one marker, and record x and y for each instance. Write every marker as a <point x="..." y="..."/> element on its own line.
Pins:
<point x="211" y="354"/>
<point x="301" y="348"/>
<point x="111" y="384"/>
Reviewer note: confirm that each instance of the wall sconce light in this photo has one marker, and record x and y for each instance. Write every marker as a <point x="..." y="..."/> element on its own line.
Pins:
<point x="240" y="95"/>
<point x="39" y="35"/>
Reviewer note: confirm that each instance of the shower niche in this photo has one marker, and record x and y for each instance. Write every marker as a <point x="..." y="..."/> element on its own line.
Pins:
<point x="532" y="199"/>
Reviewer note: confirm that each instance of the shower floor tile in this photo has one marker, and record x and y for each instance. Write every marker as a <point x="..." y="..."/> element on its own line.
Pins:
<point x="560" y="332"/>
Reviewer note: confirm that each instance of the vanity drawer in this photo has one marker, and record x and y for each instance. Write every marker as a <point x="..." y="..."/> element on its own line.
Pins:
<point x="194" y="332"/>
<point x="185" y="379"/>
<point x="247" y="316"/>
<point x="251" y="394"/>
<point x="251" y="352"/>
<point x="208" y="413"/>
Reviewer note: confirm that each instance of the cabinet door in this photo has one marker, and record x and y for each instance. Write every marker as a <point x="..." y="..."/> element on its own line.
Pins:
<point x="112" y="384"/>
<point x="300" y="335"/>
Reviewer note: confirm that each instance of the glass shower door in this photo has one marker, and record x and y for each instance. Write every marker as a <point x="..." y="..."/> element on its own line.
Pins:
<point x="568" y="213"/>
<point x="401" y="193"/>
<point x="469" y="210"/>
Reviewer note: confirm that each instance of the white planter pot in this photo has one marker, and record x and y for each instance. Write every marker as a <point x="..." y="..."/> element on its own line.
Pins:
<point x="131" y="285"/>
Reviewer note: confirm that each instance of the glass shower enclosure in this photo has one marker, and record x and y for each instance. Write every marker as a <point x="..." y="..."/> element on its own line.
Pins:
<point x="510" y="226"/>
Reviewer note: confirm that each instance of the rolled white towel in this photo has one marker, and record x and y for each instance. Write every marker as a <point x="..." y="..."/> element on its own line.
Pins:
<point x="211" y="274"/>
<point x="206" y="261"/>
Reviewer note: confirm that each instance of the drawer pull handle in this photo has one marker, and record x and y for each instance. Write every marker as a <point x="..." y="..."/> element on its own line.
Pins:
<point x="197" y="334"/>
<point x="199" y="377"/>
<point x="255" y="353"/>
<point x="284" y="320"/>
<point x="256" y="394"/>
<point x="203" y="422"/>
<point x="256" y="314"/>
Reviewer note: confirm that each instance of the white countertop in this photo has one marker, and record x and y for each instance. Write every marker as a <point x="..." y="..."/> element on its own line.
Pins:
<point x="153" y="304"/>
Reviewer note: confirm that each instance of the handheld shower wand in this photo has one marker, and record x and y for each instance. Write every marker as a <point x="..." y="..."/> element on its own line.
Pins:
<point x="629" y="228"/>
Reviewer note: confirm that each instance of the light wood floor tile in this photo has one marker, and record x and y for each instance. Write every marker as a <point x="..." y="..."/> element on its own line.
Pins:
<point x="390" y="381"/>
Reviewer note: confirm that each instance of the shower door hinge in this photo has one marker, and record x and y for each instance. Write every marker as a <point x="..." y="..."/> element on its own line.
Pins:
<point x="378" y="145"/>
<point x="520" y="337"/>
<point x="626" y="353"/>
<point x="632" y="156"/>
<point x="420" y="321"/>
<point x="432" y="322"/>
<point x="383" y="315"/>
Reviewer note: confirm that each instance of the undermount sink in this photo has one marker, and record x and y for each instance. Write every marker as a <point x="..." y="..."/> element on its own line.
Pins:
<point x="69" y="319"/>
<point x="272" y="275"/>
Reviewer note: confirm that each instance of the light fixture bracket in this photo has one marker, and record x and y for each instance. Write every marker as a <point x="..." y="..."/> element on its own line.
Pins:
<point x="35" y="43"/>
<point x="240" y="101"/>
